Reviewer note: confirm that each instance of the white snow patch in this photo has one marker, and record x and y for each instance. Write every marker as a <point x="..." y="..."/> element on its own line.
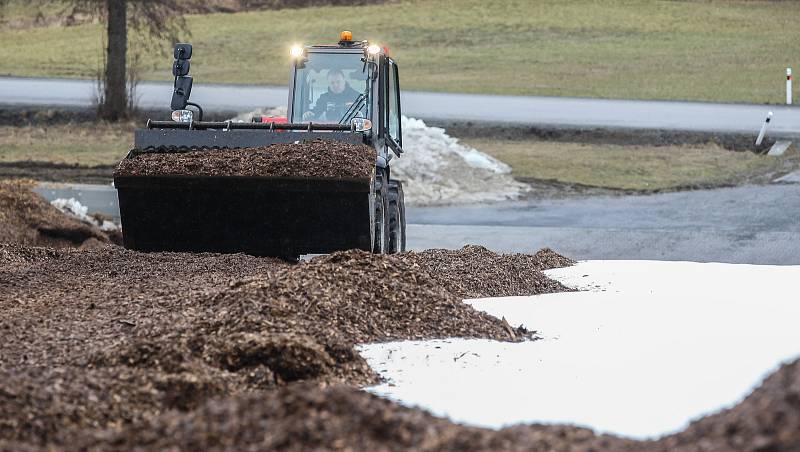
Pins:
<point x="74" y="208"/>
<point x="649" y="347"/>
<point x="437" y="169"/>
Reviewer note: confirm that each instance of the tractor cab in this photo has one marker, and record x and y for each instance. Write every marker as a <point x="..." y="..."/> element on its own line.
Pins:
<point x="352" y="83"/>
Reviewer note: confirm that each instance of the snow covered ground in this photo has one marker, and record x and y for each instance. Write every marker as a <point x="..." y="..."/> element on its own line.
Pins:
<point x="644" y="349"/>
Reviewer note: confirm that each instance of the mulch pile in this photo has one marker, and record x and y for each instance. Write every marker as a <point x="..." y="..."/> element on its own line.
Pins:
<point x="108" y="337"/>
<point x="27" y="218"/>
<point x="313" y="417"/>
<point x="474" y="271"/>
<point x="110" y="349"/>
<point x="309" y="159"/>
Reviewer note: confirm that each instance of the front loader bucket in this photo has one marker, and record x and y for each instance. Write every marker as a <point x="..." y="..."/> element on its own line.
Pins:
<point x="254" y="215"/>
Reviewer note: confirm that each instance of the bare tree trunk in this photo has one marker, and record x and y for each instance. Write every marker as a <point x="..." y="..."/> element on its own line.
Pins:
<point x="115" y="102"/>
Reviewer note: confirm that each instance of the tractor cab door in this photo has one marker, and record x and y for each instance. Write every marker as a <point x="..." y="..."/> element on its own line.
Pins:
<point x="393" y="114"/>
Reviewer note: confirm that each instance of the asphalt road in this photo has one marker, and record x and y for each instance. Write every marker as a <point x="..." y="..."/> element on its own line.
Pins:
<point x="750" y="224"/>
<point x="541" y="111"/>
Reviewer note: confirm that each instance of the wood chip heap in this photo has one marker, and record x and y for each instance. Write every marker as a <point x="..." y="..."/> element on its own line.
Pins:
<point x="310" y="159"/>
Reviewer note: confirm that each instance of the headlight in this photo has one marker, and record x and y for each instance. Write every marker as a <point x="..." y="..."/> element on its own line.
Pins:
<point x="374" y="49"/>
<point x="296" y="51"/>
<point x="361" y="124"/>
<point x="182" y="115"/>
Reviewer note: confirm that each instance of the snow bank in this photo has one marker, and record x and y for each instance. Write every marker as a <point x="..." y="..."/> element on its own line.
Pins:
<point x="437" y="169"/>
<point x="74" y="208"/>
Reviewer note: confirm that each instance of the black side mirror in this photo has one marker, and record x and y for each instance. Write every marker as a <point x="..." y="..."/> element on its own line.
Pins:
<point x="183" y="89"/>
<point x="180" y="68"/>
<point x="183" y="51"/>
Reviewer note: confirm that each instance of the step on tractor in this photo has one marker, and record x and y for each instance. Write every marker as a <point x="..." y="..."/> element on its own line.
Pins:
<point x="346" y="92"/>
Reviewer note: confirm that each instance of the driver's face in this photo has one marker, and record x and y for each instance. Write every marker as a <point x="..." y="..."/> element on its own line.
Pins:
<point x="336" y="82"/>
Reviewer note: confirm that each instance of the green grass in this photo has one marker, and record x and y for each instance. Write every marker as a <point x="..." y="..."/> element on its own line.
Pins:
<point x="640" y="168"/>
<point x="647" y="49"/>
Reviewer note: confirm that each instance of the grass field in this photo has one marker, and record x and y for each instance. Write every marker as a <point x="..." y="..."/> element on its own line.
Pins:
<point x="640" y="168"/>
<point x="100" y="144"/>
<point x="648" y="49"/>
<point x="604" y="166"/>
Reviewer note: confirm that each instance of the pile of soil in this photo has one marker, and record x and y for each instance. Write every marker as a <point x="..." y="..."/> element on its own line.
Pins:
<point x="309" y="159"/>
<point x="27" y="218"/>
<point x="475" y="272"/>
<point x="102" y="338"/>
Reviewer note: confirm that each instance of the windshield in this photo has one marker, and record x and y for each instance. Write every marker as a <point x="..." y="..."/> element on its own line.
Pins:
<point x="326" y="87"/>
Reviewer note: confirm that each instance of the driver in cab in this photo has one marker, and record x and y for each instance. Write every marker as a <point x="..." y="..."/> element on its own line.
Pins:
<point x="333" y="104"/>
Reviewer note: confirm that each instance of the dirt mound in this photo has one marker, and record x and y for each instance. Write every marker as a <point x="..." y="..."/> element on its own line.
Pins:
<point x="312" y="159"/>
<point x="474" y="271"/>
<point x="26" y="218"/>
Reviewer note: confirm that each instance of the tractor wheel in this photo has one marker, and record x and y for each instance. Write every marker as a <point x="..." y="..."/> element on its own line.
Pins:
<point x="381" y="236"/>
<point x="397" y="218"/>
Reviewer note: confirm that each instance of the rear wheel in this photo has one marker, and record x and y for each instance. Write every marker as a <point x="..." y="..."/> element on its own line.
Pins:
<point x="381" y="236"/>
<point x="397" y="218"/>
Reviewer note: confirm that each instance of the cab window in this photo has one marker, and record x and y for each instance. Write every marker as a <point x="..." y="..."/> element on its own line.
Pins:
<point x="394" y="104"/>
<point x="326" y="86"/>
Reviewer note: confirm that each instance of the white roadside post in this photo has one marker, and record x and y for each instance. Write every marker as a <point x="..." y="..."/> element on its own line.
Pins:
<point x="763" y="130"/>
<point x="788" y="86"/>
